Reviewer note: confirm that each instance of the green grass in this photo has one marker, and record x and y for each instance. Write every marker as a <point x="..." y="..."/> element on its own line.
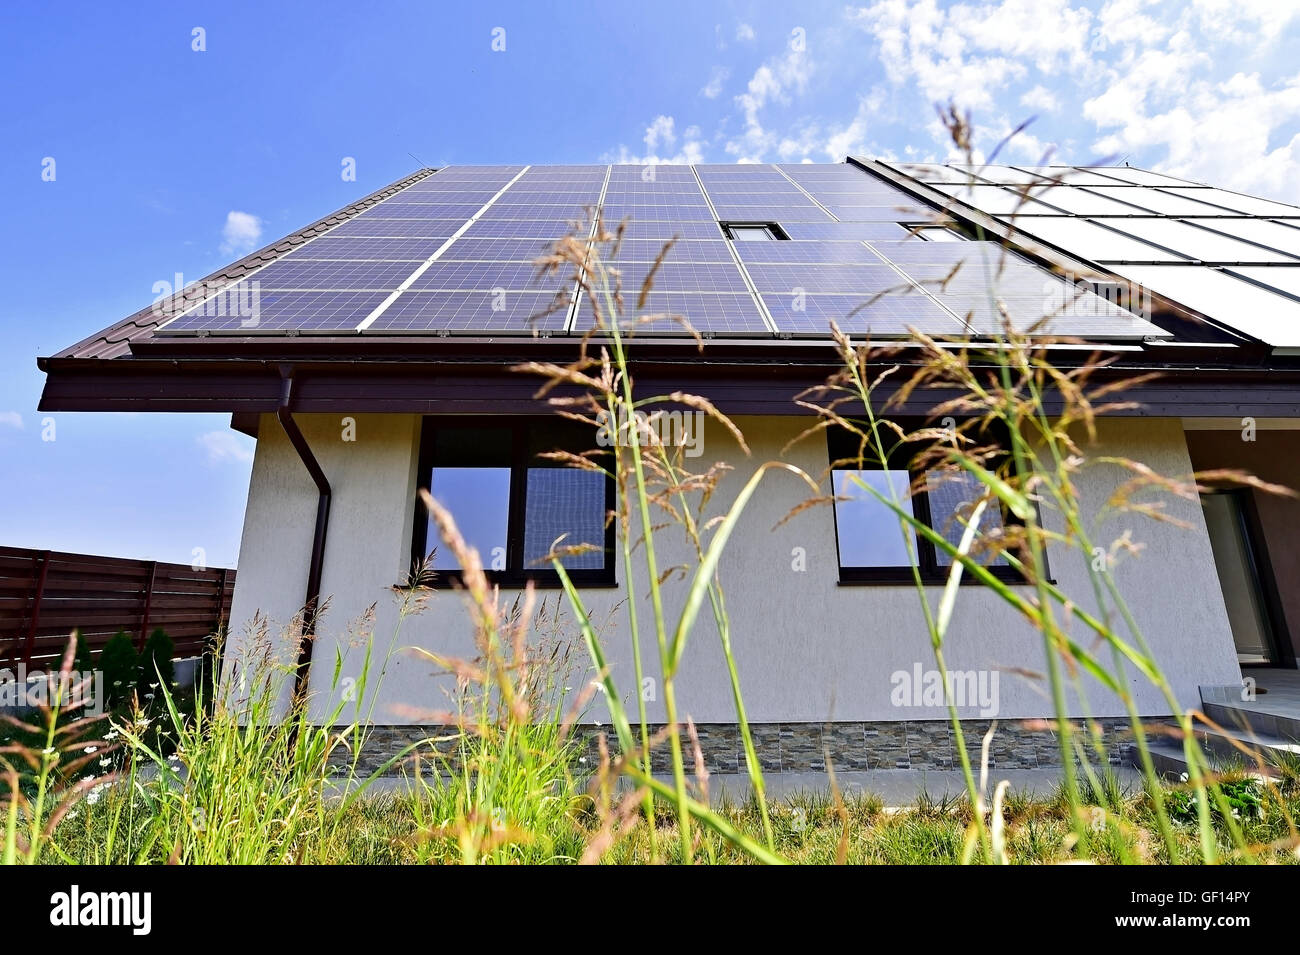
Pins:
<point x="810" y="828"/>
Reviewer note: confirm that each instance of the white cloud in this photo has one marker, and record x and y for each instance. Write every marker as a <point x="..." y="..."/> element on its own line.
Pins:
<point x="744" y="32"/>
<point x="660" y="142"/>
<point x="775" y="81"/>
<point x="1040" y="98"/>
<point x="1199" y="90"/>
<point x="241" y="233"/>
<point x="11" y="419"/>
<point x="221" y="446"/>
<point x="713" y="88"/>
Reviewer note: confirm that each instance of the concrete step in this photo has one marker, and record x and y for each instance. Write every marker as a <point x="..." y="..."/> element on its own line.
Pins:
<point x="1169" y="761"/>
<point x="1256" y="717"/>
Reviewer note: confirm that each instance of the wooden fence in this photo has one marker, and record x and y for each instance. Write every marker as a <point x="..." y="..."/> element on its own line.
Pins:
<point x="45" y="595"/>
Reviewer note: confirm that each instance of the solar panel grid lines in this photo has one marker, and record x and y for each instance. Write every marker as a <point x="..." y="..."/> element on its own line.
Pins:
<point x="709" y="313"/>
<point x="397" y="228"/>
<point x="731" y="247"/>
<point x="418" y="211"/>
<point x="886" y="315"/>
<point x="463" y="276"/>
<point x="343" y="248"/>
<point x="845" y="231"/>
<point x="549" y="229"/>
<point x="496" y="250"/>
<point x="825" y="278"/>
<point x="805" y="250"/>
<point x="337" y="275"/>
<point x="810" y="197"/>
<point x="571" y="314"/>
<point x="683" y="250"/>
<point x="472" y="312"/>
<point x="683" y="276"/>
<point x="663" y="230"/>
<point x="907" y="276"/>
<point x="379" y="309"/>
<point x="245" y="310"/>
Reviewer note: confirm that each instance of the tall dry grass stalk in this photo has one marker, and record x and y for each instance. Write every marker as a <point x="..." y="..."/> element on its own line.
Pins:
<point x="1005" y="385"/>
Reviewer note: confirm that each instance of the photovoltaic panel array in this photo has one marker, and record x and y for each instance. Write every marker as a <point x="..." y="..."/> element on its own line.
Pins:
<point x="487" y="280"/>
<point x="1208" y="249"/>
<point x="454" y="253"/>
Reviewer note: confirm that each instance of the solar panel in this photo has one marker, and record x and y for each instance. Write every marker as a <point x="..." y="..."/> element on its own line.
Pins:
<point x="684" y="276"/>
<point x="541" y="196"/>
<point x="709" y="314"/>
<point x="918" y="251"/>
<point x="485" y="276"/>
<point x="762" y="213"/>
<point x="698" y="213"/>
<point x="468" y="312"/>
<point x="244" y="309"/>
<point x="866" y="279"/>
<point x="651" y="229"/>
<point x="399" y="228"/>
<point x="685" y="250"/>
<point x="537" y="211"/>
<point x="414" y="210"/>
<point x="519" y="229"/>
<point x="331" y="246"/>
<point x="293" y="273"/>
<point x="503" y="249"/>
<point x="886" y="316"/>
<point x="845" y="230"/>
<point x="811" y="251"/>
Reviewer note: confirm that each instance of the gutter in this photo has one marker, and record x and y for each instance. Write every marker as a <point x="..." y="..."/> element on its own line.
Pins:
<point x="311" y="605"/>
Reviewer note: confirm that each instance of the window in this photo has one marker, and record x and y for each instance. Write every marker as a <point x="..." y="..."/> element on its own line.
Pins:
<point x="871" y="544"/>
<point x="509" y="503"/>
<point x="753" y="231"/>
<point x="929" y="232"/>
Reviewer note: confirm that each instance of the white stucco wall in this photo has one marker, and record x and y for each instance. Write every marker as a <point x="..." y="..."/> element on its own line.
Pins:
<point x="808" y="649"/>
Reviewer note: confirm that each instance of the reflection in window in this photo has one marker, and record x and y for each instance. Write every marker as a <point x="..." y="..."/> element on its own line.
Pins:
<point x="868" y="532"/>
<point x="952" y="496"/>
<point x="569" y="503"/>
<point x="479" y="502"/>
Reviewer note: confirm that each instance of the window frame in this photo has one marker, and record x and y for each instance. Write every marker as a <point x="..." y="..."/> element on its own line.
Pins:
<point x="902" y="458"/>
<point x="918" y="230"/>
<point x="774" y="231"/>
<point x="515" y="575"/>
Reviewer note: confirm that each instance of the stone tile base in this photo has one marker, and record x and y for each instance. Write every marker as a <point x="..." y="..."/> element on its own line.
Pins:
<point x="805" y="747"/>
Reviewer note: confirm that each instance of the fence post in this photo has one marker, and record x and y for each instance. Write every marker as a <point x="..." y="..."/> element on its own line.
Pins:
<point x="148" y="601"/>
<point x="221" y="599"/>
<point x="36" y="607"/>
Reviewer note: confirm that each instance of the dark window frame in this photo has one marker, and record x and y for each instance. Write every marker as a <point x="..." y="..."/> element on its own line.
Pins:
<point x="841" y="445"/>
<point x="521" y="429"/>
<point x="777" y="233"/>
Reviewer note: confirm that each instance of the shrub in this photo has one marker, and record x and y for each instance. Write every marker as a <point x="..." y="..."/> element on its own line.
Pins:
<point x="121" y="665"/>
<point x="156" y="661"/>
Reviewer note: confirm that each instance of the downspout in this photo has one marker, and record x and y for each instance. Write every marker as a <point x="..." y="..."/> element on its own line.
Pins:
<point x="311" y="605"/>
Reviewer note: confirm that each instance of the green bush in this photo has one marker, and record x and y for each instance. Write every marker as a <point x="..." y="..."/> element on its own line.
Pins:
<point x="121" y="665"/>
<point x="156" y="661"/>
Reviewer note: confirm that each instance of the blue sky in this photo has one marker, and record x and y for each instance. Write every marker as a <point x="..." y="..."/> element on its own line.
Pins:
<point x="169" y="160"/>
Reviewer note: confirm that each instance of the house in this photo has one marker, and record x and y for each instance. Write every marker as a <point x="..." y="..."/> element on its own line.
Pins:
<point x="370" y="353"/>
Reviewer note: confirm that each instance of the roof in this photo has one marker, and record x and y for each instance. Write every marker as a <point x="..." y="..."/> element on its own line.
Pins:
<point x="114" y="341"/>
<point x="1230" y="257"/>
<point x="450" y="253"/>
<point x="434" y="276"/>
